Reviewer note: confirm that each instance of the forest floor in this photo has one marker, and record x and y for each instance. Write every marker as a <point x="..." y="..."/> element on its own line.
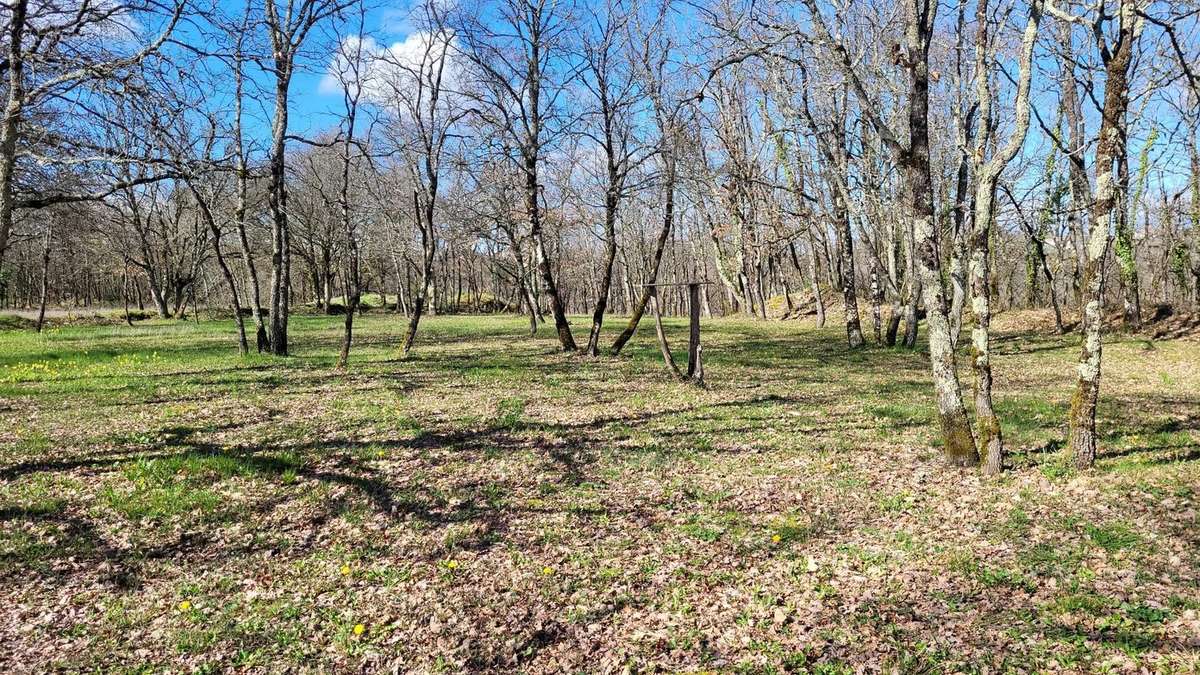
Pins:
<point x="493" y="505"/>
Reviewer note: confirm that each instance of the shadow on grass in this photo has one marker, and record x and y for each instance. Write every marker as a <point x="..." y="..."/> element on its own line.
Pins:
<point x="569" y="451"/>
<point x="184" y="458"/>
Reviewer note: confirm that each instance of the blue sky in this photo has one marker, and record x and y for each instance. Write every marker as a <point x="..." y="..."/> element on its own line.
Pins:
<point x="312" y="109"/>
<point x="315" y="110"/>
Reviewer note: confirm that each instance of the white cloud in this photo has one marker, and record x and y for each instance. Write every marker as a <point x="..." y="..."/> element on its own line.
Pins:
<point x="396" y="71"/>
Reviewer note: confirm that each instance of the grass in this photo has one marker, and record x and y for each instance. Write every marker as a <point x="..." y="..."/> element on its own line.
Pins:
<point x="490" y="504"/>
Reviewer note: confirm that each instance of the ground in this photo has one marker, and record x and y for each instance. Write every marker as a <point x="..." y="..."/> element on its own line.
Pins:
<point x="493" y="505"/>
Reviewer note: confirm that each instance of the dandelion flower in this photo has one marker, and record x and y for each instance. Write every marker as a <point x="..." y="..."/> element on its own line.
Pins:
<point x="776" y="538"/>
<point x="451" y="564"/>
<point x="359" y="629"/>
<point x="547" y="570"/>
<point x="345" y="570"/>
<point x="185" y="606"/>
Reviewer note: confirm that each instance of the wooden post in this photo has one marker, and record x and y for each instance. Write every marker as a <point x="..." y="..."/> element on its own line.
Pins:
<point x="694" y="329"/>
<point x="695" y="365"/>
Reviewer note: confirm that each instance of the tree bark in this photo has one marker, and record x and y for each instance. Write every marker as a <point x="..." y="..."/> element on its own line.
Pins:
<point x="424" y="213"/>
<point x="1110" y="147"/>
<point x="958" y="439"/>
<point x="11" y="120"/>
<point x="1081" y="191"/>
<point x="280" y="233"/>
<point x="912" y="319"/>
<point x="990" y="443"/>
<point x="854" y="335"/>
<point x="1125" y="253"/>
<point x="611" y="198"/>
<point x="877" y="297"/>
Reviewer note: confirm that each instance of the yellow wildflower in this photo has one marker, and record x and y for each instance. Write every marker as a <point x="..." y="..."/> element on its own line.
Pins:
<point x="451" y="564"/>
<point x="345" y="570"/>
<point x="547" y="571"/>
<point x="359" y="629"/>
<point x="776" y="538"/>
<point x="185" y="606"/>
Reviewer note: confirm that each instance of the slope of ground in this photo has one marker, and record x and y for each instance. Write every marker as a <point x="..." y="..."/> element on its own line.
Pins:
<point x="493" y="505"/>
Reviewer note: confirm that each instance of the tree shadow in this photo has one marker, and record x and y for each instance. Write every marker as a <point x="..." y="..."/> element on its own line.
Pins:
<point x="568" y="450"/>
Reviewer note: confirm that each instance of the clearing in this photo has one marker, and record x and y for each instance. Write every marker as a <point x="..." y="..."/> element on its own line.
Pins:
<point x="491" y="504"/>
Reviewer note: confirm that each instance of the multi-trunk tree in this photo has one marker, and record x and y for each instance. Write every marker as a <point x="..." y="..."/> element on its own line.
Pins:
<point x="987" y="171"/>
<point x="288" y="25"/>
<point x="611" y="78"/>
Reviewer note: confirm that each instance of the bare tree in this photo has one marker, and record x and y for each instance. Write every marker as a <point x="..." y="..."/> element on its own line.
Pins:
<point x="418" y="90"/>
<point x="349" y="70"/>
<point x="237" y="64"/>
<point x="831" y="140"/>
<point x="1117" y="57"/>
<point x="655" y="53"/>
<point x="288" y="24"/>
<point x="52" y="49"/>
<point x="613" y="83"/>
<point x="987" y="173"/>
<point x="207" y="191"/>
<point x="520" y="76"/>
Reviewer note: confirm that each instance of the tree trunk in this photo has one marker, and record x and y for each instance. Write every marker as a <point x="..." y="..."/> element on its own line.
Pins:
<point x="353" y="280"/>
<point x="1039" y="252"/>
<point x="125" y="291"/>
<point x="1081" y="193"/>
<point x="610" y="256"/>
<point x="11" y="120"/>
<point x="990" y="439"/>
<point x="280" y="233"/>
<point x="912" y="318"/>
<point x="424" y="213"/>
<point x="1110" y="148"/>
<point x="813" y="272"/>
<point x="662" y="336"/>
<point x="230" y="282"/>
<point x="545" y="270"/>
<point x="959" y="253"/>
<point x="262" y="341"/>
<point x="353" y="297"/>
<point x="877" y="296"/>
<point x="160" y="301"/>
<point x="854" y="336"/>
<point x="958" y="440"/>
<point x="326" y="281"/>
<point x="1125" y="253"/>
<point x="1194" y="153"/>
<point x="41" y="320"/>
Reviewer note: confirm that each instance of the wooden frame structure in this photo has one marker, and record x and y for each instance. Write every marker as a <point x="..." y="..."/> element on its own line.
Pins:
<point x="695" y="365"/>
